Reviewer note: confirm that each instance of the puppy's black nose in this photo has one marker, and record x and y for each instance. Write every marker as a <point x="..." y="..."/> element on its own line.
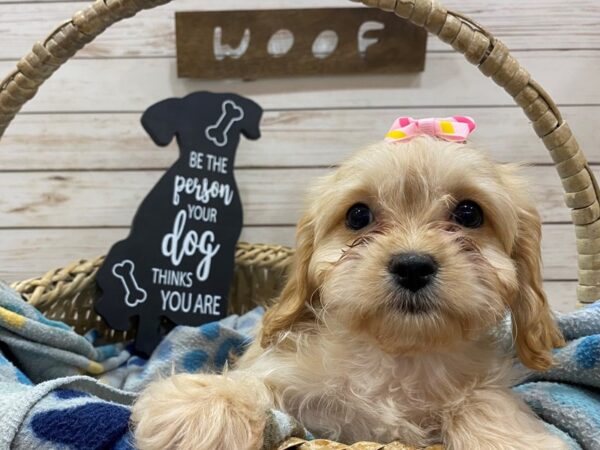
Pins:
<point x="413" y="271"/>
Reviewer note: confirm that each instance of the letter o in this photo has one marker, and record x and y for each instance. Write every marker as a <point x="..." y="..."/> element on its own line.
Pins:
<point x="280" y="43"/>
<point x="325" y="44"/>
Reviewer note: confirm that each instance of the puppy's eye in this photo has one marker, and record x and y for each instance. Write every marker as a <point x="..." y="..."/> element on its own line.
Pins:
<point x="468" y="214"/>
<point x="358" y="216"/>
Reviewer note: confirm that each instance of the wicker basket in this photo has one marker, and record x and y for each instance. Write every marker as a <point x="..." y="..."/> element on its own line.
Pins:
<point x="67" y="294"/>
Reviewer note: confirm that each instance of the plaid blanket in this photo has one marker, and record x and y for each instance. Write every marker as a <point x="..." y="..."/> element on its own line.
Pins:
<point x="59" y="390"/>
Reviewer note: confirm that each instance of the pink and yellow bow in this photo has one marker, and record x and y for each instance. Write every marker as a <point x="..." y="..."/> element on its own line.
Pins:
<point x="455" y="129"/>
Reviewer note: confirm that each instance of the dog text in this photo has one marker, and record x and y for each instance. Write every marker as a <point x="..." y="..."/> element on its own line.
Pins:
<point x="175" y="248"/>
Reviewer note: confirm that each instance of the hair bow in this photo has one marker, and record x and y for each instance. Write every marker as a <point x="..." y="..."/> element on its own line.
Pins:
<point x="455" y="129"/>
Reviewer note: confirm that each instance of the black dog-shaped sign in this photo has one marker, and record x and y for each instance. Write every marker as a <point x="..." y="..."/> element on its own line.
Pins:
<point x="178" y="260"/>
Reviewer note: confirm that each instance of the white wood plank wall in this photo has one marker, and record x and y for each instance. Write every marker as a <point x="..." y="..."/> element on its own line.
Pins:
<point x="75" y="163"/>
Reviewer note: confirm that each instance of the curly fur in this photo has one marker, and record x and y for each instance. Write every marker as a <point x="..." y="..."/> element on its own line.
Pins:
<point x="340" y="352"/>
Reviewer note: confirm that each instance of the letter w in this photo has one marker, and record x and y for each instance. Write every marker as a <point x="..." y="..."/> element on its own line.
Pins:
<point x="223" y="51"/>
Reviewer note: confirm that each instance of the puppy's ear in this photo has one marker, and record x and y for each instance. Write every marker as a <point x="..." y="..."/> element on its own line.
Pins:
<point x="299" y="293"/>
<point x="534" y="327"/>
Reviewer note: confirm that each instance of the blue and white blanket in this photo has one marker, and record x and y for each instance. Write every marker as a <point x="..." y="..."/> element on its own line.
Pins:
<point x="59" y="390"/>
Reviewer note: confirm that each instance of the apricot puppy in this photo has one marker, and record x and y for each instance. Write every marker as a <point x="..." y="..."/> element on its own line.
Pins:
<point x="409" y="257"/>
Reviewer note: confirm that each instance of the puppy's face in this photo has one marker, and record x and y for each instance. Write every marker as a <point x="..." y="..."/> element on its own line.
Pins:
<point x="421" y="246"/>
<point x="414" y="244"/>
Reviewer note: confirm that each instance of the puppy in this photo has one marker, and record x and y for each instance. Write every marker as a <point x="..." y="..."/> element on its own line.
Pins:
<point x="409" y="257"/>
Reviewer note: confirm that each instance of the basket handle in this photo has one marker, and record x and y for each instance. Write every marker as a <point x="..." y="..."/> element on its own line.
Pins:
<point x="68" y="38"/>
<point x="477" y="45"/>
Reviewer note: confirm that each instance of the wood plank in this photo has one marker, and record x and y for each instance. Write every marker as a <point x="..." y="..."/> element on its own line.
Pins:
<point x="561" y="295"/>
<point x="71" y="199"/>
<point x="289" y="138"/>
<point x="30" y="253"/>
<point x="563" y="25"/>
<point x="115" y="85"/>
<point x="559" y="252"/>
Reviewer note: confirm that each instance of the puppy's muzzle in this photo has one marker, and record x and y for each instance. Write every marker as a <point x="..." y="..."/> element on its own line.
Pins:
<point x="413" y="271"/>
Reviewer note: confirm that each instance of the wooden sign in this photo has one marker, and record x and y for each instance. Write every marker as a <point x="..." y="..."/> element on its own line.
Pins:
<point x="178" y="260"/>
<point x="291" y="42"/>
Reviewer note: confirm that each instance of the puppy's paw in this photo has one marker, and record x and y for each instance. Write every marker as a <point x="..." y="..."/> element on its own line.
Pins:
<point x="201" y="412"/>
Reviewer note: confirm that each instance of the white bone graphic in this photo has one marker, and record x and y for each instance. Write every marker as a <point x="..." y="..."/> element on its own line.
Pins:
<point x="231" y="114"/>
<point x="134" y="295"/>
